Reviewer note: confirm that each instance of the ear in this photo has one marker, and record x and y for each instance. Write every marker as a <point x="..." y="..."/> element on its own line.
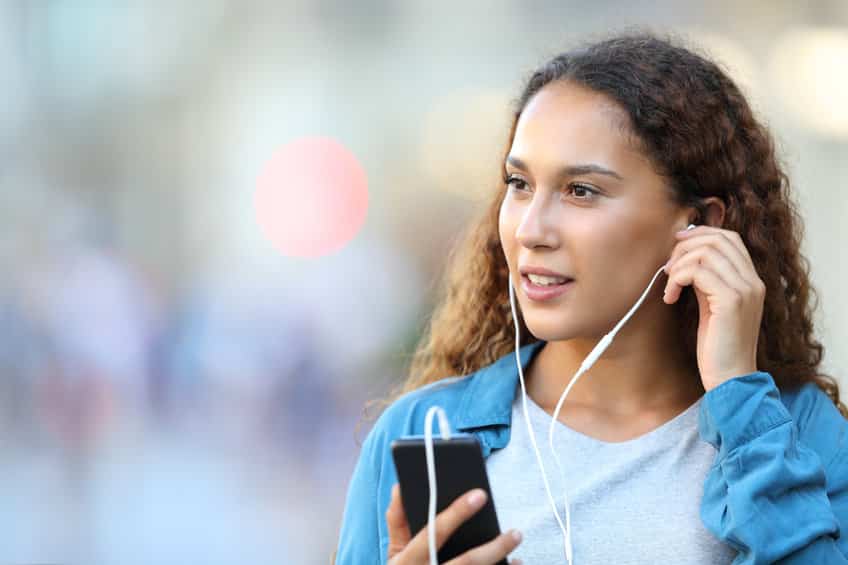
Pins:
<point x="711" y="212"/>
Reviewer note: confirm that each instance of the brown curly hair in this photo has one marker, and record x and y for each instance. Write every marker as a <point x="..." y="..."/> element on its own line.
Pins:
<point x="696" y="126"/>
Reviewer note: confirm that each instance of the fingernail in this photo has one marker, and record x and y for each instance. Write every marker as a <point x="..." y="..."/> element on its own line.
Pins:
<point x="477" y="498"/>
<point x="516" y="535"/>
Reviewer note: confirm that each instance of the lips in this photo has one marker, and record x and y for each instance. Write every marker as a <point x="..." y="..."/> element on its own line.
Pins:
<point x="560" y="280"/>
<point x="534" y="270"/>
<point x="541" y="293"/>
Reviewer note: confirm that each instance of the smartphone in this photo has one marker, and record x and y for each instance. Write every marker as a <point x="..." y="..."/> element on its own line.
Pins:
<point x="459" y="468"/>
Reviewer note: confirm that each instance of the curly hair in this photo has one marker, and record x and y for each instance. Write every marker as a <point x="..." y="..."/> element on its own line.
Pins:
<point x="699" y="133"/>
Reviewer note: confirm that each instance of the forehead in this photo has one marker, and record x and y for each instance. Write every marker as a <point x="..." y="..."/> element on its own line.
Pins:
<point x="564" y="122"/>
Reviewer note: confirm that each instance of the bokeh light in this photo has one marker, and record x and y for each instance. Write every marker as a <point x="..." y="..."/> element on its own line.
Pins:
<point x="462" y="139"/>
<point x="808" y="66"/>
<point x="311" y="197"/>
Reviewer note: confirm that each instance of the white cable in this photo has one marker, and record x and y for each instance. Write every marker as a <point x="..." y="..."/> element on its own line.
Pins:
<point x="529" y="428"/>
<point x="593" y="356"/>
<point x="444" y="430"/>
<point x="590" y="359"/>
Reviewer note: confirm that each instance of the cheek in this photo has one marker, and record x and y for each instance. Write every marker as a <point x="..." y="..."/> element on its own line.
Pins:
<point x="506" y="229"/>
<point x="613" y="258"/>
<point x="602" y="254"/>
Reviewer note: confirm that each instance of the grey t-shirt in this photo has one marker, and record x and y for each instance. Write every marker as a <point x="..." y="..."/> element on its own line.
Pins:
<point x="636" y="501"/>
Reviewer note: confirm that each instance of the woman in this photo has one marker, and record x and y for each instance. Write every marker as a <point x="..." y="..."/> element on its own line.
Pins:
<point x="705" y="433"/>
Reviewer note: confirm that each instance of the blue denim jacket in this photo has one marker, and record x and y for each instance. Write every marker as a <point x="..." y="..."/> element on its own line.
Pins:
<point x="777" y="492"/>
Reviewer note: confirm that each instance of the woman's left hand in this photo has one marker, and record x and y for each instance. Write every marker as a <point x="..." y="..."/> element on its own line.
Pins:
<point x="730" y="300"/>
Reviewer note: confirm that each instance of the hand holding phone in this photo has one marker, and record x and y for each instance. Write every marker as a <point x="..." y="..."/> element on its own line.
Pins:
<point x="466" y="521"/>
<point x="407" y="550"/>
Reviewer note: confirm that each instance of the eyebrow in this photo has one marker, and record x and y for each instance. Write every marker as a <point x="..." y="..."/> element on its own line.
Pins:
<point x="569" y="170"/>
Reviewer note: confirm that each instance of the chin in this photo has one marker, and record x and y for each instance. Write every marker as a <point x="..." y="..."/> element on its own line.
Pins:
<point x="550" y="330"/>
<point x="552" y="327"/>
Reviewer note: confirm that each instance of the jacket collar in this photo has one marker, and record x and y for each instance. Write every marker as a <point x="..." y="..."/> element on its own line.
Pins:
<point x="487" y="401"/>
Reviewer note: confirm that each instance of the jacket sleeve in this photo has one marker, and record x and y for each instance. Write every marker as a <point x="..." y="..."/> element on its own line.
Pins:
<point x="359" y="539"/>
<point x="768" y="495"/>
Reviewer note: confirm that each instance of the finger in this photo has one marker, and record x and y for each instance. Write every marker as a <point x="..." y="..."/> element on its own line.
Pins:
<point x="399" y="534"/>
<point x="741" y="262"/>
<point x="490" y="552"/>
<point x="448" y="520"/>
<point x="711" y="258"/>
<point x="709" y="272"/>
<point x="733" y="237"/>
<point x="736" y="239"/>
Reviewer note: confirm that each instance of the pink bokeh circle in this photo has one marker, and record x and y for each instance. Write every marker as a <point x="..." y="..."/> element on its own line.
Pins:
<point x="311" y="197"/>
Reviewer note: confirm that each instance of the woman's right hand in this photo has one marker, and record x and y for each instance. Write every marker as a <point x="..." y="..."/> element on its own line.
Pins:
<point x="407" y="550"/>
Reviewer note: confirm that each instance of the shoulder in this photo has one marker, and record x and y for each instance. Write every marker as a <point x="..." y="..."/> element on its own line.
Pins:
<point x="405" y="416"/>
<point x="820" y="424"/>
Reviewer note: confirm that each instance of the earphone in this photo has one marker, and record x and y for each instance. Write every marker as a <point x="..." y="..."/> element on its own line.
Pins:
<point x="444" y="427"/>
<point x="590" y="359"/>
<point x="444" y="430"/>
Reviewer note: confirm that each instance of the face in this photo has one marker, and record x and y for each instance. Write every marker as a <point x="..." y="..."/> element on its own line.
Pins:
<point x="583" y="202"/>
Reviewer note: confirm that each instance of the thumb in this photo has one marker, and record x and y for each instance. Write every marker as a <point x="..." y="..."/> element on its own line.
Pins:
<point x="399" y="535"/>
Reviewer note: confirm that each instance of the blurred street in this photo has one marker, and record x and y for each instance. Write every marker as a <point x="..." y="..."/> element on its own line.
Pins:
<point x="176" y="384"/>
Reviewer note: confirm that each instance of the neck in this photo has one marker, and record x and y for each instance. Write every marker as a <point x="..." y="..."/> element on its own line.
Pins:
<point x="645" y="368"/>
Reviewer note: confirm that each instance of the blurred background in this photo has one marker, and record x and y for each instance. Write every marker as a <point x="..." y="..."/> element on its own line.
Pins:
<point x="177" y="389"/>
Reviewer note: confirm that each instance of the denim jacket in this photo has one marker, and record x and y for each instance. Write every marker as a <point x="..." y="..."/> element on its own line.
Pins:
<point x="777" y="491"/>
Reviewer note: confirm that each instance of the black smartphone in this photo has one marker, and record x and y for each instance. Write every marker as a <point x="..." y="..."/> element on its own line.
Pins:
<point x="459" y="468"/>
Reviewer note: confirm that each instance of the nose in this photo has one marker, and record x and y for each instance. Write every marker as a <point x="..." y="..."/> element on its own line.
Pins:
<point x="537" y="226"/>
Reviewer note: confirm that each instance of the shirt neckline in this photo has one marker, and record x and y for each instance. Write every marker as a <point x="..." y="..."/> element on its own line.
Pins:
<point x="675" y="422"/>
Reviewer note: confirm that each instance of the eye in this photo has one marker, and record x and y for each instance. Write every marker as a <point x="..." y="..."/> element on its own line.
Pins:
<point x="583" y="192"/>
<point x="579" y="191"/>
<point x="513" y="181"/>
